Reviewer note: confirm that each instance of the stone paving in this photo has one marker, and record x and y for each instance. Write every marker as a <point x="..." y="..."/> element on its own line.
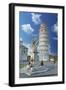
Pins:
<point x="48" y="69"/>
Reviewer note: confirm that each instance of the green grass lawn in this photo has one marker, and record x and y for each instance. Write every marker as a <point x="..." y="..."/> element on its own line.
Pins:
<point x="22" y="65"/>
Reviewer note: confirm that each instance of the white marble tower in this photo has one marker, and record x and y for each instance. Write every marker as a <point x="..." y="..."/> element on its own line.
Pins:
<point x="43" y="43"/>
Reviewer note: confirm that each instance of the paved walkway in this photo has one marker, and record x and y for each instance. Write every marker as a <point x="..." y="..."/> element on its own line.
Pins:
<point x="45" y="70"/>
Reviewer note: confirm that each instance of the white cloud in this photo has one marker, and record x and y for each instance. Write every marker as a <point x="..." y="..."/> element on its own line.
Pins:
<point x="49" y="49"/>
<point x="51" y="53"/>
<point x="55" y="28"/>
<point x="27" y="28"/>
<point x="36" y="18"/>
<point x="21" y="39"/>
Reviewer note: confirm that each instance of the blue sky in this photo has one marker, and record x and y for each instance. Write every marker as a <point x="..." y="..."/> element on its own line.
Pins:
<point x="29" y="24"/>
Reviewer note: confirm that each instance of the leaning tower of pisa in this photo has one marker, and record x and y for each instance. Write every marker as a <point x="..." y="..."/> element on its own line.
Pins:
<point x="43" y="43"/>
